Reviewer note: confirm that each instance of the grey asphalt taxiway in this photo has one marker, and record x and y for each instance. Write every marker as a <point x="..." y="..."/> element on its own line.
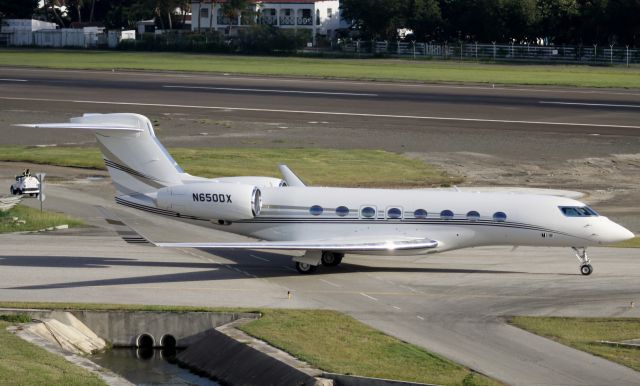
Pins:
<point x="454" y="304"/>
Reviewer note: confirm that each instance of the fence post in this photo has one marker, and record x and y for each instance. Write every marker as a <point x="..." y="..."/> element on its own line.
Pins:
<point x="476" y="51"/>
<point x="494" y="51"/>
<point x="627" y="55"/>
<point x="611" y="53"/>
<point x="595" y="53"/>
<point x="461" y="51"/>
<point x="414" y="50"/>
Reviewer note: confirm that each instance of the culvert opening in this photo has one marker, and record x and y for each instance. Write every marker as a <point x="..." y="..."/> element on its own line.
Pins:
<point x="168" y="342"/>
<point x="145" y="341"/>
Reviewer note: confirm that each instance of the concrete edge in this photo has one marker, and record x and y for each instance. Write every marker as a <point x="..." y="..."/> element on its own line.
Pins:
<point x="355" y="380"/>
<point x="106" y="375"/>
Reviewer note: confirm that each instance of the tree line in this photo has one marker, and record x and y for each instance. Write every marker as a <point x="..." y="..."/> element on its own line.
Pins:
<point x="585" y="22"/>
<point x="577" y="22"/>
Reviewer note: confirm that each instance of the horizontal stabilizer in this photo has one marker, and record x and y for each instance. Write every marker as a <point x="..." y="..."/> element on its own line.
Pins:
<point x="83" y="126"/>
<point x="319" y="245"/>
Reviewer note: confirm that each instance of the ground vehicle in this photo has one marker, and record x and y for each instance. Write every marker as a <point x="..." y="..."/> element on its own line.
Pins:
<point x="26" y="184"/>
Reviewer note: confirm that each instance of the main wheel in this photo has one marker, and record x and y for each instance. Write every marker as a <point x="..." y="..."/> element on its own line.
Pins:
<point x="13" y="191"/>
<point x="331" y="259"/>
<point x="305" y="268"/>
<point x="586" y="269"/>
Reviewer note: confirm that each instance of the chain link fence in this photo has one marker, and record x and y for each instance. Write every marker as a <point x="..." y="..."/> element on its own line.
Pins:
<point x="495" y="52"/>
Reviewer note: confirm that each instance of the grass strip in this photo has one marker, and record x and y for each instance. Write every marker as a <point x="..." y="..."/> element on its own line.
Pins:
<point x="633" y="243"/>
<point x="584" y="334"/>
<point x="368" y="69"/>
<point x="338" y="343"/>
<point x="327" y="339"/>
<point x="33" y="220"/>
<point x="321" y="167"/>
<point x="22" y="363"/>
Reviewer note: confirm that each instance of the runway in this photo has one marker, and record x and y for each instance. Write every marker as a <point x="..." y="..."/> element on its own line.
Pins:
<point x="453" y="304"/>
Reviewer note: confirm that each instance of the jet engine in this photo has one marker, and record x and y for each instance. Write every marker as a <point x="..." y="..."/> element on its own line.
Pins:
<point x="212" y="200"/>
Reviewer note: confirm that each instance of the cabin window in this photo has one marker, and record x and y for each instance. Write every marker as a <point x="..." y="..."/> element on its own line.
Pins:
<point x="446" y="214"/>
<point x="342" y="211"/>
<point x="578" y="211"/>
<point x="368" y="212"/>
<point x="420" y="213"/>
<point x="316" y="210"/>
<point x="499" y="216"/>
<point x="473" y="215"/>
<point x="394" y="213"/>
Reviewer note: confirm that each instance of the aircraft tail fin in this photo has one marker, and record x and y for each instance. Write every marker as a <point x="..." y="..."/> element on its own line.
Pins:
<point x="135" y="159"/>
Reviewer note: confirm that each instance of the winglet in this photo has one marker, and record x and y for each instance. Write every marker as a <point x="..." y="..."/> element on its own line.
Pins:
<point x="290" y="177"/>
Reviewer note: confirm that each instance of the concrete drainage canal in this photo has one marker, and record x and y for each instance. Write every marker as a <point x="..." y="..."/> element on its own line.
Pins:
<point x="141" y="347"/>
<point x="151" y="362"/>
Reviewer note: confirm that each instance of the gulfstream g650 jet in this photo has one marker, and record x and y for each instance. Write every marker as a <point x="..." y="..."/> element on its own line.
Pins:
<point x="328" y="222"/>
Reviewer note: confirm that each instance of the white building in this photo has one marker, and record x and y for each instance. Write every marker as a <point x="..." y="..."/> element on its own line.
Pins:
<point x="21" y="25"/>
<point x="321" y="17"/>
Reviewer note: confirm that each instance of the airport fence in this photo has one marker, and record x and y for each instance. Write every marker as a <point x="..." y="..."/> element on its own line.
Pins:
<point x="526" y="53"/>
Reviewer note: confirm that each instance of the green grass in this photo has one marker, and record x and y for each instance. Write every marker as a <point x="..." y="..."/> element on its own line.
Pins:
<point x="22" y="363"/>
<point x="584" y="334"/>
<point x="373" y="69"/>
<point x="338" y="343"/>
<point x="316" y="166"/>
<point x="35" y="220"/>
<point x="633" y="243"/>
<point x="335" y="342"/>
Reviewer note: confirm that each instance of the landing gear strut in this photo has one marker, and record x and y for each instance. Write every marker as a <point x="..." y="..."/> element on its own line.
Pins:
<point x="585" y="266"/>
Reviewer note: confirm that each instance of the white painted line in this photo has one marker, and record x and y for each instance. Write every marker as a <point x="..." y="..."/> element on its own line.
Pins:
<point x="259" y="258"/>
<point x="420" y="117"/>
<point x="396" y="307"/>
<point x="12" y="80"/>
<point x="330" y="283"/>
<point x="419" y="317"/>
<point x="367" y="296"/>
<point x="588" y="104"/>
<point x="289" y="268"/>
<point x="271" y="90"/>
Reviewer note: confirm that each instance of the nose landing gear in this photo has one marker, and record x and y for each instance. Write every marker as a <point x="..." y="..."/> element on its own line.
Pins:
<point x="585" y="264"/>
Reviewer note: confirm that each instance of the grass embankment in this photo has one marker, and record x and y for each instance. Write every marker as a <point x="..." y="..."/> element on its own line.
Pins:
<point x="323" y="167"/>
<point x="584" y="334"/>
<point x="22" y="363"/>
<point x="328" y="340"/>
<point x="33" y="219"/>
<point x="373" y="69"/>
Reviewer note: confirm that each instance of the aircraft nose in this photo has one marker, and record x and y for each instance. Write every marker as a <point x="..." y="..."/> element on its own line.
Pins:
<point x="613" y="233"/>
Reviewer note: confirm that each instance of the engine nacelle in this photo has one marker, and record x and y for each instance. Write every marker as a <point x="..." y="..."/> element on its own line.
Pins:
<point x="212" y="200"/>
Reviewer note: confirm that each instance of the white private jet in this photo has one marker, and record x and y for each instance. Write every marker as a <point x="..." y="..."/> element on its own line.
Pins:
<point x="327" y="222"/>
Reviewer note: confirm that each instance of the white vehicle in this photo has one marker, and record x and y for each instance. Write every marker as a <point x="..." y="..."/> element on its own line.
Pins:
<point x="328" y="222"/>
<point x="26" y="184"/>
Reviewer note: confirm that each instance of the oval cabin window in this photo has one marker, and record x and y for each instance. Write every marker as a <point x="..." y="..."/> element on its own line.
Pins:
<point x="368" y="212"/>
<point x="394" y="213"/>
<point x="500" y="217"/>
<point x="342" y="211"/>
<point x="446" y="214"/>
<point x="420" y="213"/>
<point x="316" y="210"/>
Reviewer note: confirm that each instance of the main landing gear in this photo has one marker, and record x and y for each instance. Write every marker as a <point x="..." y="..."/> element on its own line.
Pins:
<point x="585" y="264"/>
<point x="308" y="263"/>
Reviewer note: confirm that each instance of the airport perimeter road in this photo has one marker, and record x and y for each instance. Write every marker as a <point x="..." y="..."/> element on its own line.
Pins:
<point x="218" y="110"/>
<point x="453" y="304"/>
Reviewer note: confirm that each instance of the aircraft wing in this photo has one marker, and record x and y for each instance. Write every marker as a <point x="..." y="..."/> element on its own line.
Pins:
<point x="339" y="245"/>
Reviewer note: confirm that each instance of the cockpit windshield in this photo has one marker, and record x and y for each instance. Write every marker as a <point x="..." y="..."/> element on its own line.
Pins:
<point x="578" y="211"/>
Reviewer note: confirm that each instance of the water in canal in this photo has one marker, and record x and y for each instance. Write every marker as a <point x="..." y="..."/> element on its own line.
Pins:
<point x="148" y="367"/>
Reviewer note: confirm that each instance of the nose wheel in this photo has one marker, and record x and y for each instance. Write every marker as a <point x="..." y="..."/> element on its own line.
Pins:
<point x="585" y="264"/>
